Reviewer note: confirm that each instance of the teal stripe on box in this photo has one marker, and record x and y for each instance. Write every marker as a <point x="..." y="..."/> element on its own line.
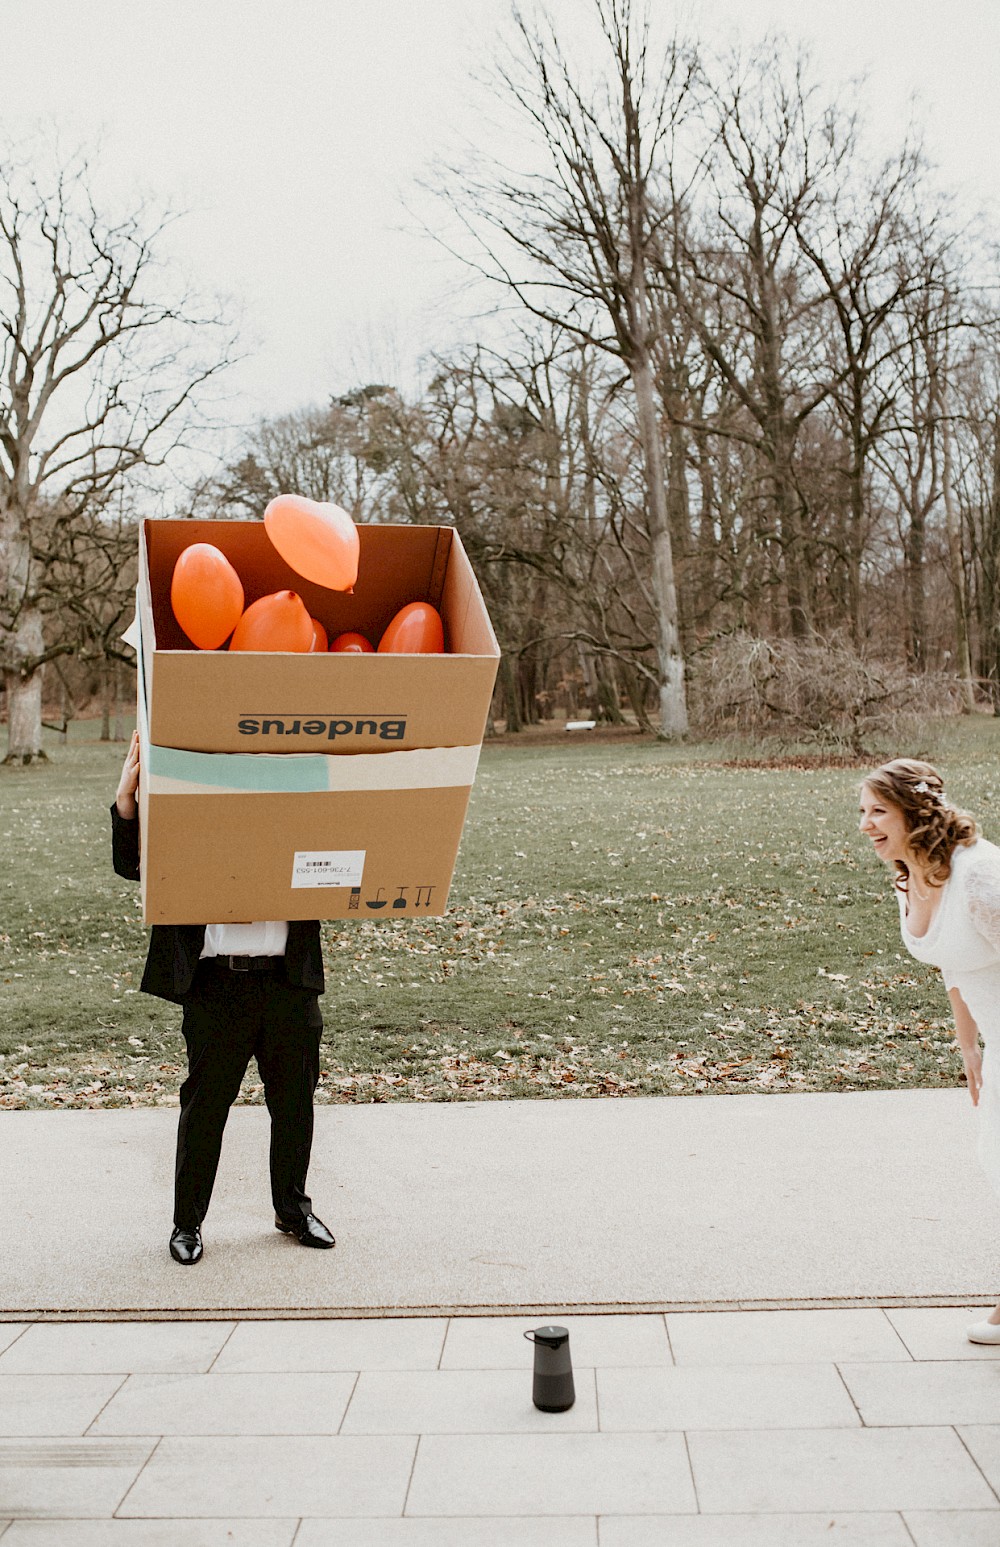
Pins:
<point x="297" y="774"/>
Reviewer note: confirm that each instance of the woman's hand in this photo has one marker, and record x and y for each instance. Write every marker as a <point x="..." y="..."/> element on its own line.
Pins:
<point x="967" y="1036"/>
<point x="128" y="784"/>
<point x="972" y="1058"/>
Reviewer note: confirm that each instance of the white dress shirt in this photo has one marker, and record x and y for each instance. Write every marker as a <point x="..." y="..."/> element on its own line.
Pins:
<point x="267" y="939"/>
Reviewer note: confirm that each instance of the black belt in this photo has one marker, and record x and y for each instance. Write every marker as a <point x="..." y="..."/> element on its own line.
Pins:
<point x="249" y="963"/>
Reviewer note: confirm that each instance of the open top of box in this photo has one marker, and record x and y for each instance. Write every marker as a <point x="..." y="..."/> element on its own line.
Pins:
<point x="217" y="701"/>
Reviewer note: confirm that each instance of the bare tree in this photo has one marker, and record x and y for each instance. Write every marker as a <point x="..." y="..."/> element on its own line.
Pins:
<point x="857" y="240"/>
<point x="98" y="375"/>
<point x="976" y="395"/>
<point x="587" y="224"/>
<point x="330" y="453"/>
<point x="734" y="267"/>
<point x="88" y="573"/>
<point x="914" y="453"/>
<point x="530" y="451"/>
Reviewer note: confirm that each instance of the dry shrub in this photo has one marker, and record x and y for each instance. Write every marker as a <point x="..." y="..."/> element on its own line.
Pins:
<point x="816" y="691"/>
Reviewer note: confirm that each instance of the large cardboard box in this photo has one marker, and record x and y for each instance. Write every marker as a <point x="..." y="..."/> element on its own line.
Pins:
<point x="349" y="797"/>
<point x="214" y="701"/>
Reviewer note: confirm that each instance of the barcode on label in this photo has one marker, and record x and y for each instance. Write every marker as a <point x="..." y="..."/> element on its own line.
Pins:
<point x="331" y="867"/>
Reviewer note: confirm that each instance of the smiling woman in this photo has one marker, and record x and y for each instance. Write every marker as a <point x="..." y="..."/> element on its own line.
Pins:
<point x="948" y="886"/>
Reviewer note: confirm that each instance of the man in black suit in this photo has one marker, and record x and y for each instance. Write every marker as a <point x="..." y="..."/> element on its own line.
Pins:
<point x="248" y="991"/>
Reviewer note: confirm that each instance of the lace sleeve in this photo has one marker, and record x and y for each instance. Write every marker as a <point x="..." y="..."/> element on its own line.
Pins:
<point x="982" y="893"/>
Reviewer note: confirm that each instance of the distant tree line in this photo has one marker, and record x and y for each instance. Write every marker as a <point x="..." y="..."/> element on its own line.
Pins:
<point x="751" y="389"/>
<point x="747" y="394"/>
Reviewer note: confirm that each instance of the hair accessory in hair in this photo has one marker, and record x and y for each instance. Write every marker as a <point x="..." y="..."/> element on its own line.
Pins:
<point x="923" y="788"/>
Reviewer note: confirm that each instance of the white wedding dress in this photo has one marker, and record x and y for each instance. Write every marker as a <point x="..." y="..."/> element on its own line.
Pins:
<point x="964" y="941"/>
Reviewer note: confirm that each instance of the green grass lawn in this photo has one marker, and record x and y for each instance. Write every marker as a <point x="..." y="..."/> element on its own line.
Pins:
<point x="626" y="918"/>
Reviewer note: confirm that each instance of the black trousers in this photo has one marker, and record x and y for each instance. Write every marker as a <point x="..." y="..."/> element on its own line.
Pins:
<point x="229" y="1018"/>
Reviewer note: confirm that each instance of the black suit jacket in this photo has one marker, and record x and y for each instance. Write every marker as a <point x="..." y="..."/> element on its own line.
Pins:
<point x="174" y="949"/>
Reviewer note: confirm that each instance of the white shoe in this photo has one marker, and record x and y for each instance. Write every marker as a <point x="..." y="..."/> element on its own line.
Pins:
<point x="983" y="1332"/>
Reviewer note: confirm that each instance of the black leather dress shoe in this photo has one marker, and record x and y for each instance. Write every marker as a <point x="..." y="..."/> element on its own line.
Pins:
<point x="307" y="1230"/>
<point x="185" y="1246"/>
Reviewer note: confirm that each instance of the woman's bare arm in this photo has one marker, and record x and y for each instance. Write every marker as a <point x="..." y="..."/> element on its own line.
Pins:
<point x="967" y="1035"/>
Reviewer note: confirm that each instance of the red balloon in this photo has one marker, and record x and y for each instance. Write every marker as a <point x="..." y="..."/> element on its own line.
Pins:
<point x="352" y="644"/>
<point x="415" y="630"/>
<point x="206" y="595"/>
<point x="276" y="622"/>
<point x="320" y="542"/>
<point x="319" y="636"/>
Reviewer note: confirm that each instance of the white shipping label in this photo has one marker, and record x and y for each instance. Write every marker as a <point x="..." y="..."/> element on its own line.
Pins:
<point x="328" y="867"/>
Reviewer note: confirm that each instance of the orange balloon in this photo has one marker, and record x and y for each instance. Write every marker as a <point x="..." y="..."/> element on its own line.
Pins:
<point x="276" y="622"/>
<point x="319" y="635"/>
<point x="352" y="644"/>
<point x="415" y="630"/>
<point x="206" y="595"/>
<point x="320" y="542"/>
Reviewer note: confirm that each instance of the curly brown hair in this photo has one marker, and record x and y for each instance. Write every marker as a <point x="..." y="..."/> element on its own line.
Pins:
<point x="935" y="827"/>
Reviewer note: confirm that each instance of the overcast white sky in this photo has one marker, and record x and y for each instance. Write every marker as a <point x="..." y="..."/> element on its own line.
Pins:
<point x="292" y="131"/>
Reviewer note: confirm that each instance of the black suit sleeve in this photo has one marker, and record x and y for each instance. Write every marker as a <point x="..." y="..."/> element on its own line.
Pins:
<point x="125" y="845"/>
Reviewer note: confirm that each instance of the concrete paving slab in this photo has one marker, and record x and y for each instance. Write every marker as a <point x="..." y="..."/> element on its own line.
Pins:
<point x="742" y="1199"/>
<point x="811" y="1470"/>
<point x="273" y="1476"/>
<point x="804" y="1396"/>
<point x="862" y="1530"/>
<point x="498" y="1343"/>
<point x="580" y="1531"/>
<point x="99" y="1348"/>
<point x="783" y="1337"/>
<point x="389" y="1343"/>
<point x="940" y="1392"/>
<point x="228" y="1404"/>
<point x="53" y="1405"/>
<point x="952" y="1528"/>
<point x="151" y="1533"/>
<point x="556" y="1474"/>
<point x="983" y="1443"/>
<point x="79" y="1479"/>
<point x="938" y="1332"/>
<point x="462" y="1402"/>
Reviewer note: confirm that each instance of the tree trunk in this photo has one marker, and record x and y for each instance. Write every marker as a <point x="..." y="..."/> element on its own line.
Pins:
<point x="105" y="701"/>
<point x="24" y="691"/>
<point x="710" y="550"/>
<point x="21" y="641"/>
<point x="856" y="533"/>
<point x="511" y="696"/>
<point x="679" y="507"/>
<point x="956" y="573"/>
<point x="65" y="706"/>
<point x="24" y="720"/>
<point x="673" y="701"/>
<point x="634" y="687"/>
<point x="786" y="501"/>
<point x="916" y="601"/>
<point x="119" y="706"/>
<point x="608" y="707"/>
<point x="991" y="580"/>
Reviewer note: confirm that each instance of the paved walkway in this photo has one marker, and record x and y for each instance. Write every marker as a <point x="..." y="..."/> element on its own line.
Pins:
<point x="644" y="1204"/>
<point x="862" y="1428"/>
<point x="145" y="1405"/>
